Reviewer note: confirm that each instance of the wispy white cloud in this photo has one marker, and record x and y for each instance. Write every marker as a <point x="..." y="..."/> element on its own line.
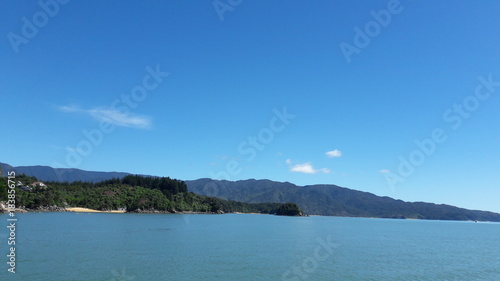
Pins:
<point x="383" y="171"/>
<point x="324" y="170"/>
<point x="113" y="116"/>
<point x="288" y="161"/>
<point x="333" y="153"/>
<point x="120" y="118"/>
<point x="307" y="168"/>
<point x="69" y="108"/>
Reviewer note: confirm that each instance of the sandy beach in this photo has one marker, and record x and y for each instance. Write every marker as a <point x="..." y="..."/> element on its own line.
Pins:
<point x="87" y="210"/>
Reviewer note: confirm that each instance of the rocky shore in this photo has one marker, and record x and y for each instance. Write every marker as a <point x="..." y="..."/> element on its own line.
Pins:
<point x="4" y="209"/>
<point x="154" y="211"/>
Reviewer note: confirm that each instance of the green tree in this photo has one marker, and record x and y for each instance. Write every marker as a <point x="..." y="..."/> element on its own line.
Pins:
<point x="289" y="209"/>
<point x="3" y="189"/>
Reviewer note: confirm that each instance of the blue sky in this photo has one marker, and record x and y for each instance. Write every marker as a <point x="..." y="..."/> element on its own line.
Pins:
<point x="260" y="89"/>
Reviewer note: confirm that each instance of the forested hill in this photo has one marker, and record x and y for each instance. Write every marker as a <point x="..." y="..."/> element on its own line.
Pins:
<point x="332" y="200"/>
<point x="131" y="193"/>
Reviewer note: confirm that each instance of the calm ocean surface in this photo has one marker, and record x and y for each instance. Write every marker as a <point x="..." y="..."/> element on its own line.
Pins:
<point x="70" y="246"/>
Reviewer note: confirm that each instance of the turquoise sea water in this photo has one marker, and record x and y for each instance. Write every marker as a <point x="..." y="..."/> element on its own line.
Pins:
<point x="70" y="246"/>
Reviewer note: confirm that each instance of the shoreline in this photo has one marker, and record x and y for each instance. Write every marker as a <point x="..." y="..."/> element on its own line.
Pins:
<point x="87" y="210"/>
<point x="55" y="209"/>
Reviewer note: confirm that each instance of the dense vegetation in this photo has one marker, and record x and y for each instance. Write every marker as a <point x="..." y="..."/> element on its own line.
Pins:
<point x="133" y="193"/>
<point x="3" y="190"/>
<point x="289" y="209"/>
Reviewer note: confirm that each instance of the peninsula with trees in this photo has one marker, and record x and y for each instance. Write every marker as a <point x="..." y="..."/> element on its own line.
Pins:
<point x="132" y="193"/>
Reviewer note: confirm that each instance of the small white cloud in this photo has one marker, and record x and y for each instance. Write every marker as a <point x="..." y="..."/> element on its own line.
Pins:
<point x="288" y="161"/>
<point x="383" y="171"/>
<point x="113" y="116"/>
<point x="307" y="168"/>
<point x="333" y="153"/>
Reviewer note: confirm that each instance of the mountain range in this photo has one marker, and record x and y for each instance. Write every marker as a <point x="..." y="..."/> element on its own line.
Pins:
<point x="328" y="200"/>
<point x="332" y="200"/>
<point x="46" y="173"/>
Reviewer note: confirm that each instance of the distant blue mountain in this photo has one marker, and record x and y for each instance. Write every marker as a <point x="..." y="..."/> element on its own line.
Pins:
<point x="45" y="173"/>
<point x="332" y="200"/>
